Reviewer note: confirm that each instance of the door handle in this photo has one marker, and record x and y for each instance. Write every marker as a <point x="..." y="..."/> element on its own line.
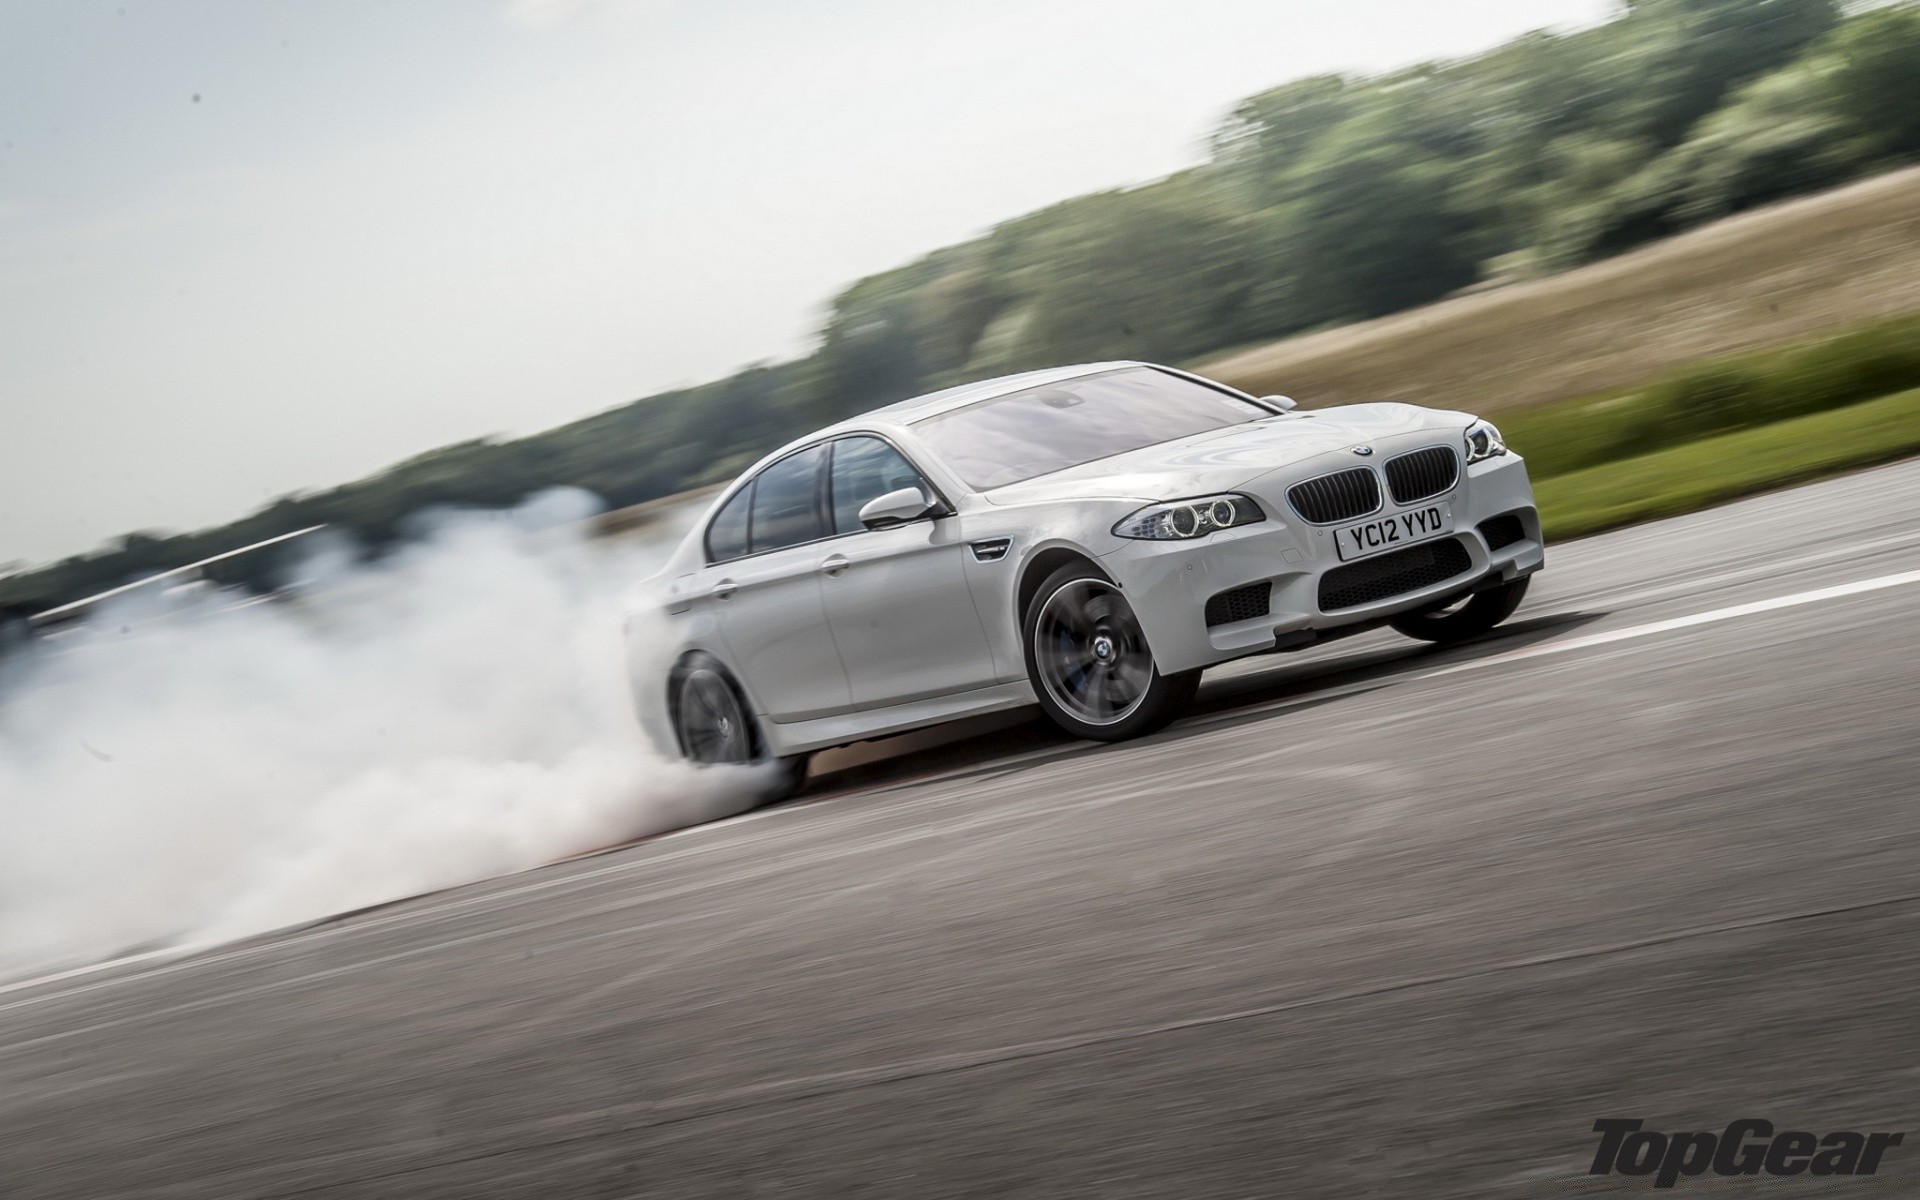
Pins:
<point x="834" y="564"/>
<point x="723" y="589"/>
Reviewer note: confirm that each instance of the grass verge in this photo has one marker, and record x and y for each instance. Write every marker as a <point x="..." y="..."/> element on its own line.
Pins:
<point x="1713" y="470"/>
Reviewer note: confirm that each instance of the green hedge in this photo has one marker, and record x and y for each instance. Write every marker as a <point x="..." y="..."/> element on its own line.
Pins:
<point x="1717" y="397"/>
<point x="1712" y="470"/>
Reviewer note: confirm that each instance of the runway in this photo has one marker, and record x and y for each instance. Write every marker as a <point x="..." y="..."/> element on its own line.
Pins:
<point x="1376" y="920"/>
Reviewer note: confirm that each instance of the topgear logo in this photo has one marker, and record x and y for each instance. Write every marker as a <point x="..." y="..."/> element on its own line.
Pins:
<point x="1746" y="1147"/>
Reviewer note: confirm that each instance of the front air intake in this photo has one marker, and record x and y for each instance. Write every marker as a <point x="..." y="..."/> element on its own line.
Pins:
<point x="1374" y="579"/>
<point x="1422" y="474"/>
<point x="1503" y="531"/>
<point x="1340" y="496"/>
<point x="1240" y="604"/>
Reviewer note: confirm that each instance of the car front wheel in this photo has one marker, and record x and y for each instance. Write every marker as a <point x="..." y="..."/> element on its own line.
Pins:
<point x="1090" y="663"/>
<point x="1465" y="618"/>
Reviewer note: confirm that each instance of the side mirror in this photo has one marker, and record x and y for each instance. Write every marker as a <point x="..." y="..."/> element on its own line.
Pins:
<point x="1283" y="403"/>
<point x="894" y="508"/>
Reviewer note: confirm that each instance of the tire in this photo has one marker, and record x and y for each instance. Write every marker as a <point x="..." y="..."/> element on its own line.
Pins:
<point x="1089" y="662"/>
<point x="1464" y="619"/>
<point x="714" y="727"/>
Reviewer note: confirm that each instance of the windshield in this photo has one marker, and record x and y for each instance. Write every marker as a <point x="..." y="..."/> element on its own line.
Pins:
<point x="1044" y="429"/>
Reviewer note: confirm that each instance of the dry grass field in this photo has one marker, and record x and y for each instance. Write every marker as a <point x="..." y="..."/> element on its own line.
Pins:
<point x="1820" y="264"/>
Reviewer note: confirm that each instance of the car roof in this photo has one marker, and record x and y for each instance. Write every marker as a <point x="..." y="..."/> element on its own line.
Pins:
<point x="903" y="413"/>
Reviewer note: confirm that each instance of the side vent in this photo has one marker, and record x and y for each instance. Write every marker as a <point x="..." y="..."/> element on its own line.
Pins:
<point x="991" y="550"/>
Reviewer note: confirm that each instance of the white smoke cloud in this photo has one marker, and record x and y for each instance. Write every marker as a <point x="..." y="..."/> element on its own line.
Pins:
<point x="458" y="710"/>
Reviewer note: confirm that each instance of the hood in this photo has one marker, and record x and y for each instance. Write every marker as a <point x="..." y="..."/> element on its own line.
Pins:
<point x="1223" y="459"/>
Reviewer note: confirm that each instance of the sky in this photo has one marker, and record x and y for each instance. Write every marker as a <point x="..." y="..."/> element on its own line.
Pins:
<point x="253" y="247"/>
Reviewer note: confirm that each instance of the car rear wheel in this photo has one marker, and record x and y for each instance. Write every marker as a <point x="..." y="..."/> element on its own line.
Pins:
<point x="714" y="727"/>
<point x="1090" y="663"/>
<point x="1462" y="619"/>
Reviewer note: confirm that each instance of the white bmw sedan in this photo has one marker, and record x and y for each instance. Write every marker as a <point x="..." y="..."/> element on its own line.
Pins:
<point x="1088" y="538"/>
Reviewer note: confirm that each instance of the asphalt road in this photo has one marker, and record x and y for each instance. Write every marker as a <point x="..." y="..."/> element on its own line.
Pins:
<point x="1376" y="921"/>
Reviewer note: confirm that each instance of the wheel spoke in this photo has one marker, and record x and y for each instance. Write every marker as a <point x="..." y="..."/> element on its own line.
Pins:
<point x="703" y="704"/>
<point x="1133" y="676"/>
<point x="1099" y="688"/>
<point x="1074" y="656"/>
<point x="1079" y="678"/>
<point x="1074" y="619"/>
<point x="1101" y="610"/>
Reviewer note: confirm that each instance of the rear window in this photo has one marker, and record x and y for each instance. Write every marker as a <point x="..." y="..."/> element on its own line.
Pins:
<point x="727" y="535"/>
<point x="786" y="502"/>
<point x="1041" y="430"/>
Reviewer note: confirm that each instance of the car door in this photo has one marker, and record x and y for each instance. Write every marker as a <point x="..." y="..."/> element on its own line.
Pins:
<point x="897" y="599"/>
<point x="764" y="591"/>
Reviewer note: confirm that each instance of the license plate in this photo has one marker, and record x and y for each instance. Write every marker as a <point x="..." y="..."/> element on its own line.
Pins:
<point x="1390" y="533"/>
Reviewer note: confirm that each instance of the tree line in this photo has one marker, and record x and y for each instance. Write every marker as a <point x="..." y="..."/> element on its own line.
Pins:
<point x="1326" y="200"/>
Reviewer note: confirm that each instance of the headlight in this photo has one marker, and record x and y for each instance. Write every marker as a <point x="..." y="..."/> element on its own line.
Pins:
<point x="1180" y="520"/>
<point x="1483" y="441"/>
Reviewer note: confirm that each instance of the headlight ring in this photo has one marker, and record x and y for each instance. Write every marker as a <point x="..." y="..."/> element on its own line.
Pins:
<point x="1185" y="520"/>
<point x="1483" y="442"/>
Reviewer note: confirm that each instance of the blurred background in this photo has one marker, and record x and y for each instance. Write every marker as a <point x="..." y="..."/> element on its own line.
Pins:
<point x="272" y="266"/>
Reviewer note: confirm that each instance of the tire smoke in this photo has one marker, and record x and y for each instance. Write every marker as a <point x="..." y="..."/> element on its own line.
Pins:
<point x="179" y="769"/>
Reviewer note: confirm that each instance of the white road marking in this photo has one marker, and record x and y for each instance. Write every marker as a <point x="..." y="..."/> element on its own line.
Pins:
<point x="1818" y="595"/>
<point x="1763" y="568"/>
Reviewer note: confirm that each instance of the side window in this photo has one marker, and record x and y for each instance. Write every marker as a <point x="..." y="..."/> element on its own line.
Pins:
<point x="863" y="468"/>
<point x="786" y="502"/>
<point x="727" y="533"/>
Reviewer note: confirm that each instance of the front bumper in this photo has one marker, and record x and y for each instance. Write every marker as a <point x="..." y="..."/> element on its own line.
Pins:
<point x="1169" y="584"/>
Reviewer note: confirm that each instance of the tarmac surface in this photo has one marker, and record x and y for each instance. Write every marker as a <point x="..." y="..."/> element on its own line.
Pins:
<point x="1377" y="920"/>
